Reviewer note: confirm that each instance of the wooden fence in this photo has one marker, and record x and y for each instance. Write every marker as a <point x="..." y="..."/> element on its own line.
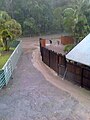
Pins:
<point x="55" y="61"/>
<point x="79" y="74"/>
<point x="72" y="71"/>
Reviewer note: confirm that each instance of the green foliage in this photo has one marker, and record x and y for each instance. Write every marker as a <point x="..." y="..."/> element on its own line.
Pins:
<point x="81" y="29"/>
<point x="30" y="26"/>
<point x="75" y="20"/>
<point x="58" y="19"/>
<point x="13" y="28"/>
<point x="4" y="16"/>
<point x="69" y="20"/>
<point x="46" y="16"/>
<point x="3" y="59"/>
<point x="23" y="11"/>
<point x="36" y="13"/>
<point x="9" y="29"/>
<point x="68" y="47"/>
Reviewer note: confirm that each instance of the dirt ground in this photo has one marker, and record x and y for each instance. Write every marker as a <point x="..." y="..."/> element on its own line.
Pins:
<point x="37" y="93"/>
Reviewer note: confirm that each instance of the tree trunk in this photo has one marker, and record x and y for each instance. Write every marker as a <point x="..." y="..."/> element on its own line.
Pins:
<point x="6" y="45"/>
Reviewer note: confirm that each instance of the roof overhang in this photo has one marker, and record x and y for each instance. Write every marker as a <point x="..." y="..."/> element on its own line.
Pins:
<point x="81" y="52"/>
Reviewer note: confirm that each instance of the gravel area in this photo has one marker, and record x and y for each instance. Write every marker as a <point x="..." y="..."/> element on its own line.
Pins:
<point x="29" y="96"/>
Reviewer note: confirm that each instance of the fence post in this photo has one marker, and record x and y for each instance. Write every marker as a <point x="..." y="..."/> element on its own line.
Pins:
<point x="42" y="49"/>
<point x="65" y="61"/>
<point x="49" y="58"/>
<point x="40" y="44"/>
<point x="82" y="77"/>
<point x="58" y="64"/>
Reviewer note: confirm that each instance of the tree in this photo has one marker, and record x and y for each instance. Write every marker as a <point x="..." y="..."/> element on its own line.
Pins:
<point x="30" y="26"/>
<point x="81" y="28"/>
<point x="75" y="20"/>
<point x="46" y="14"/>
<point x="10" y="29"/>
<point x="69" y="20"/>
<point x="58" y="19"/>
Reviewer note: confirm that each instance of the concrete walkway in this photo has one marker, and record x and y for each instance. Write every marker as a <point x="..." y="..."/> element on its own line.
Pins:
<point x="29" y="96"/>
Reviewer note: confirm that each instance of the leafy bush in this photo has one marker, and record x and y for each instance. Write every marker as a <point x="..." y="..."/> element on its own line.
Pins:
<point x="10" y="29"/>
<point x="68" y="47"/>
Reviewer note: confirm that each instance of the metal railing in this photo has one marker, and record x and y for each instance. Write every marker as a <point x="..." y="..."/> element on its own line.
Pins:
<point x="7" y="70"/>
<point x="2" y="78"/>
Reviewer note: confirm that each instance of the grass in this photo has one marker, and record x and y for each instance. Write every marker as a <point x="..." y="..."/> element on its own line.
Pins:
<point x="3" y="59"/>
<point x="4" y="56"/>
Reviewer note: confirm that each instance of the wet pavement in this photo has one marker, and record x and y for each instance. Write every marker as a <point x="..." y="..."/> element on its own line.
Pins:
<point x="28" y="96"/>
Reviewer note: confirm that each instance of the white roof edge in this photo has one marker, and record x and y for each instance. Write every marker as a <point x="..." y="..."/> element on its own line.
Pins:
<point x="81" y="52"/>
